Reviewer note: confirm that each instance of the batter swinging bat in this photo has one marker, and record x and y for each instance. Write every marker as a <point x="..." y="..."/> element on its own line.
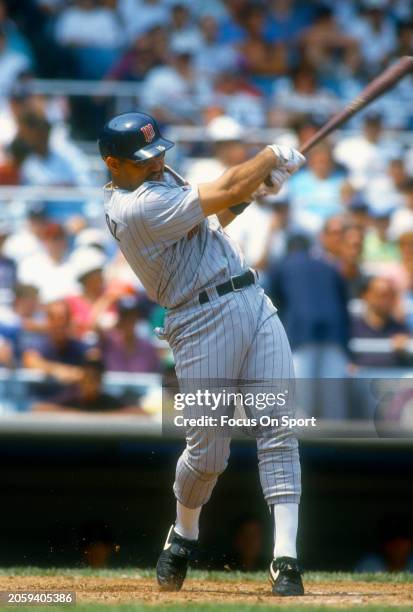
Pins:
<point x="385" y="81"/>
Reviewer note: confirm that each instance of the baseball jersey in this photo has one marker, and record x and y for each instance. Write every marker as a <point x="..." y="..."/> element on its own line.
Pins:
<point x="173" y="249"/>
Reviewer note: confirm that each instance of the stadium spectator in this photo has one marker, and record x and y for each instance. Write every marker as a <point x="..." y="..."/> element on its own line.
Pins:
<point x="377" y="322"/>
<point x="263" y="60"/>
<point x="280" y="229"/>
<point x="16" y="41"/>
<point x="50" y="270"/>
<point x="367" y="154"/>
<point x="123" y="350"/>
<point x="271" y="215"/>
<point x="8" y="272"/>
<point x="385" y="191"/>
<point x="57" y="353"/>
<point x="213" y="56"/>
<point x="6" y="352"/>
<point x="10" y="165"/>
<point x="376" y="34"/>
<point x="228" y="149"/>
<point x="286" y="20"/>
<point x="93" y="35"/>
<point x="358" y="211"/>
<point x="330" y="238"/>
<point x="314" y="191"/>
<point x="231" y="27"/>
<point x="22" y="323"/>
<point x="136" y="62"/>
<point x="311" y="297"/>
<point x="183" y="32"/>
<point x="86" y="394"/>
<point x="93" y="307"/>
<point x="324" y="43"/>
<point x="350" y="260"/>
<point x="140" y="16"/>
<point x="379" y="250"/>
<point x="13" y="64"/>
<point x="238" y="98"/>
<point x="45" y="165"/>
<point x="28" y="241"/>
<point x="404" y="38"/>
<point x="300" y="95"/>
<point x="402" y="216"/>
<point x="180" y="84"/>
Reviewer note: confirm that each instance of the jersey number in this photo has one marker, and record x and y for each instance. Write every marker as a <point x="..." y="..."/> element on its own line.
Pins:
<point x="113" y="227"/>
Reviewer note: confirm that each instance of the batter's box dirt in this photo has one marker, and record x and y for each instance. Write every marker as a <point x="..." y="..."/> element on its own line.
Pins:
<point x="114" y="589"/>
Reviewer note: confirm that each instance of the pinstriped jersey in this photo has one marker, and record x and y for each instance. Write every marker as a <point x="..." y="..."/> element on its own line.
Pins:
<point x="173" y="249"/>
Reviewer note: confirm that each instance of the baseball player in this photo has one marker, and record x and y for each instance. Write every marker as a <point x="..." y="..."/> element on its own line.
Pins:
<point x="219" y="322"/>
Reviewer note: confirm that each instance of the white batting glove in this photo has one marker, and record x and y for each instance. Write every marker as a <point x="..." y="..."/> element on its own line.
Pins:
<point x="277" y="178"/>
<point x="287" y="158"/>
<point x="273" y="183"/>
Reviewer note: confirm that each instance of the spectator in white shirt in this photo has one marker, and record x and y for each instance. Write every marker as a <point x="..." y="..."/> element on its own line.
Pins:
<point x="139" y="16"/>
<point x="212" y="55"/>
<point x="376" y="34"/>
<point x="299" y="96"/>
<point x="12" y="65"/>
<point x="226" y="137"/>
<point x="182" y="29"/>
<point x="50" y="271"/>
<point x="367" y="154"/>
<point x="175" y="93"/>
<point x="92" y="36"/>
<point x="44" y="165"/>
<point x="238" y="99"/>
<point x="403" y="216"/>
<point x="86" y="24"/>
<point x="28" y="240"/>
<point x="385" y="191"/>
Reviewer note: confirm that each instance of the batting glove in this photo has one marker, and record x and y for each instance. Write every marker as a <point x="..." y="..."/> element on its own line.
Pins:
<point x="273" y="182"/>
<point x="288" y="158"/>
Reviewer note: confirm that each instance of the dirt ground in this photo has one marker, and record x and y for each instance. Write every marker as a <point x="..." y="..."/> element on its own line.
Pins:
<point x="127" y="590"/>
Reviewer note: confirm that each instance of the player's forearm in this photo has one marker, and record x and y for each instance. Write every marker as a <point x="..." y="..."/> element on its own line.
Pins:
<point x="242" y="180"/>
<point x="237" y="184"/>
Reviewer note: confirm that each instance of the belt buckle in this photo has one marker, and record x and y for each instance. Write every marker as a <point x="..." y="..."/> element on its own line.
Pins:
<point x="234" y="288"/>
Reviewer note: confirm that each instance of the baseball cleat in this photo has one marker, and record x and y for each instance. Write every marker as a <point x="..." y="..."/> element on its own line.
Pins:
<point x="285" y="577"/>
<point x="174" y="560"/>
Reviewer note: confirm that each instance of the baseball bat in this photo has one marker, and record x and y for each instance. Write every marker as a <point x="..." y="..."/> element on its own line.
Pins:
<point x="382" y="83"/>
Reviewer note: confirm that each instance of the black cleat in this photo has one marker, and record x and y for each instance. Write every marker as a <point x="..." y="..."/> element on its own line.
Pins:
<point x="285" y="577"/>
<point x="174" y="560"/>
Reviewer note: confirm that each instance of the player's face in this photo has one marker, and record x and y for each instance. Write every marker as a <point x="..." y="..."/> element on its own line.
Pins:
<point x="129" y="174"/>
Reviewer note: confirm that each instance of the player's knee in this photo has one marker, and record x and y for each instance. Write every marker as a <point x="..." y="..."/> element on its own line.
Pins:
<point x="207" y="469"/>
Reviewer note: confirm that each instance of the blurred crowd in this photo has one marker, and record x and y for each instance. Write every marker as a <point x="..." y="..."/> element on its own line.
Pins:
<point x="262" y="63"/>
<point x="334" y="249"/>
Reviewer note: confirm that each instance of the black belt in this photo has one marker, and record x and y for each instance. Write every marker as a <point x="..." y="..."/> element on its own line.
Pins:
<point x="235" y="283"/>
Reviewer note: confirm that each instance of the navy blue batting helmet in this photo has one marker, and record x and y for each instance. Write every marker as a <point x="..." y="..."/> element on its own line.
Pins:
<point x="133" y="136"/>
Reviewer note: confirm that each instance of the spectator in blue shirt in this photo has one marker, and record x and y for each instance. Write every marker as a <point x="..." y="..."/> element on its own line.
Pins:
<point x="315" y="190"/>
<point x="57" y="353"/>
<point x="378" y="323"/>
<point x="7" y="267"/>
<point x="311" y="296"/>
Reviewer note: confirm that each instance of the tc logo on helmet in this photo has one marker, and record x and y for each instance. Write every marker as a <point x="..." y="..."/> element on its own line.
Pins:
<point x="148" y="132"/>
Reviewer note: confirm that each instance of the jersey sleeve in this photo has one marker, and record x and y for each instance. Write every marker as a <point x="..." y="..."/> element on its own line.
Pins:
<point x="171" y="212"/>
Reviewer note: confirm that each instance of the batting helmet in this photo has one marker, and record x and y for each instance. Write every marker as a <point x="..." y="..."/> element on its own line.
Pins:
<point x="133" y="136"/>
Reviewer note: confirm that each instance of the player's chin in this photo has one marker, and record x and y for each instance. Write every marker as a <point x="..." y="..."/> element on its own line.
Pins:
<point x="155" y="176"/>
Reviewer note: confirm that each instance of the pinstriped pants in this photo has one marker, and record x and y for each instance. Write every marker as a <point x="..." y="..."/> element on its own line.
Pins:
<point x="235" y="337"/>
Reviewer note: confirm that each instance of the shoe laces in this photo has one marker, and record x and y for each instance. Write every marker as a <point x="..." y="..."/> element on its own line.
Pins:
<point x="287" y="565"/>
